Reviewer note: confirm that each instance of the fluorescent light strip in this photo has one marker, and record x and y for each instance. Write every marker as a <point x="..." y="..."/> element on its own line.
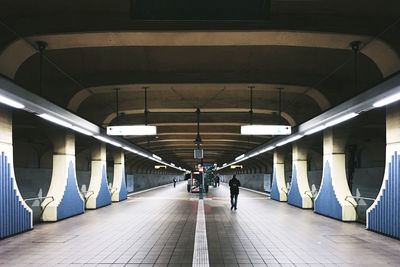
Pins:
<point x="156" y="157"/>
<point x="341" y="119"/>
<point x="294" y="138"/>
<point x="316" y="129"/>
<point x="82" y="131"/>
<point x="240" y="157"/>
<point x="111" y="142"/>
<point x="55" y="120"/>
<point x="267" y="149"/>
<point x="12" y="103"/>
<point x="387" y="100"/>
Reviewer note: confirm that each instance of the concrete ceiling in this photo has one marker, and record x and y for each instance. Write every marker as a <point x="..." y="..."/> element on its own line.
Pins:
<point x="93" y="49"/>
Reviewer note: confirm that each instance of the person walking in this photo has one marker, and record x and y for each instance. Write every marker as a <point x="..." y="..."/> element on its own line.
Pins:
<point x="217" y="179"/>
<point x="174" y="180"/>
<point x="234" y="185"/>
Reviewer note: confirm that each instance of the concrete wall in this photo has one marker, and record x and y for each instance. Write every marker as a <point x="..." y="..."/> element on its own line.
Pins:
<point x="146" y="181"/>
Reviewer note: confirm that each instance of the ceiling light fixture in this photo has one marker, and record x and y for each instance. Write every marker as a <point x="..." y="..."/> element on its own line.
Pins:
<point x="387" y="100"/>
<point x="240" y="157"/>
<point x="159" y="167"/>
<point x="289" y="140"/>
<point x="105" y="139"/>
<point x="316" y="129"/>
<point x="55" y="120"/>
<point x="156" y="157"/>
<point x="341" y="119"/>
<point x="136" y="130"/>
<point x="12" y="103"/>
<point x="261" y="129"/>
<point x="258" y="129"/>
<point x="81" y="130"/>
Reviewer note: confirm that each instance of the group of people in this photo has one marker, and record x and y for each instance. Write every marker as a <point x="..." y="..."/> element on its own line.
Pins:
<point x="234" y="185"/>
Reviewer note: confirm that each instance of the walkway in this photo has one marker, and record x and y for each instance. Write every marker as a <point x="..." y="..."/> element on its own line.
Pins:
<point x="157" y="228"/>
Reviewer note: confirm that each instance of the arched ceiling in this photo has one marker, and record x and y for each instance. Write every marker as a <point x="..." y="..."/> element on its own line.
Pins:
<point x="304" y="48"/>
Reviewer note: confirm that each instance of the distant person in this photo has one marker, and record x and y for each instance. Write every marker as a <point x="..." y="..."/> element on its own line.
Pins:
<point x="234" y="185"/>
<point x="174" y="180"/>
<point x="217" y="180"/>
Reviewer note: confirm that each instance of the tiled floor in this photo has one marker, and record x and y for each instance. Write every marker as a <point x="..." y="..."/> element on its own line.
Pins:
<point x="265" y="232"/>
<point x="157" y="228"/>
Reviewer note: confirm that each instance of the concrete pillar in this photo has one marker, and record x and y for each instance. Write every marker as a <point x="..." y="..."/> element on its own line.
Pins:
<point x="384" y="214"/>
<point x="299" y="194"/>
<point x="279" y="189"/>
<point x="334" y="196"/>
<point x="118" y="191"/>
<point x="98" y="195"/>
<point x="66" y="199"/>
<point x="15" y="215"/>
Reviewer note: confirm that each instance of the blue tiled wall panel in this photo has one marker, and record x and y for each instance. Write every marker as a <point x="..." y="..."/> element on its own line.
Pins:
<point x="274" y="189"/>
<point x="14" y="217"/>
<point x="71" y="204"/>
<point x="385" y="216"/>
<point x="294" y="196"/>
<point x="104" y="197"/>
<point x="326" y="202"/>
<point x="123" y="193"/>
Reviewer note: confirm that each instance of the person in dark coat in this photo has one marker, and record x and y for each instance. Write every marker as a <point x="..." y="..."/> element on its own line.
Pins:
<point x="174" y="181"/>
<point x="234" y="185"/>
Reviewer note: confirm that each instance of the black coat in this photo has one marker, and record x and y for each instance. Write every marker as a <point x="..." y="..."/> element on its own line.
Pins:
<point x="234" y="185"/>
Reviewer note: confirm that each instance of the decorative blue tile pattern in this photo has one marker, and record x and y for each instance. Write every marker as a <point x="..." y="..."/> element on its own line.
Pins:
<point x="123" y="193"/>
<point x="71" y="203"/>
<point x="104" y="197"/>
<point x="326" y="202"/>
<point x="274" y="189"/>
<point x="294" y="196"/>
<point x="385" y="216"/>
<point x="14" y="217"/>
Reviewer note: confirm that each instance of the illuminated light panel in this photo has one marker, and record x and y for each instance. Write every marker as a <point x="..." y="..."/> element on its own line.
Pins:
<point x="236" y="166"/>
<point x="12" y="103"/>
<point x="159" y="167"/>
<point x="257" y="129"/>
<point x="387" y="100"/>
<point x="139" y="130"/>
<point x="55" y="120"/>
<point x="341" y="119"/>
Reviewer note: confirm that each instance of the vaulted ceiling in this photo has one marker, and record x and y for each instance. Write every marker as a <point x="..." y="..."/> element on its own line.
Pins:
<point x="301" y="46"/>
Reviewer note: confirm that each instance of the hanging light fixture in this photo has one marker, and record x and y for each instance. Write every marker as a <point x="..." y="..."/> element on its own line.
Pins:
<point x="137" y="130"/>
<point x="263" y="129"/>
<point x="198" y="152"/>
